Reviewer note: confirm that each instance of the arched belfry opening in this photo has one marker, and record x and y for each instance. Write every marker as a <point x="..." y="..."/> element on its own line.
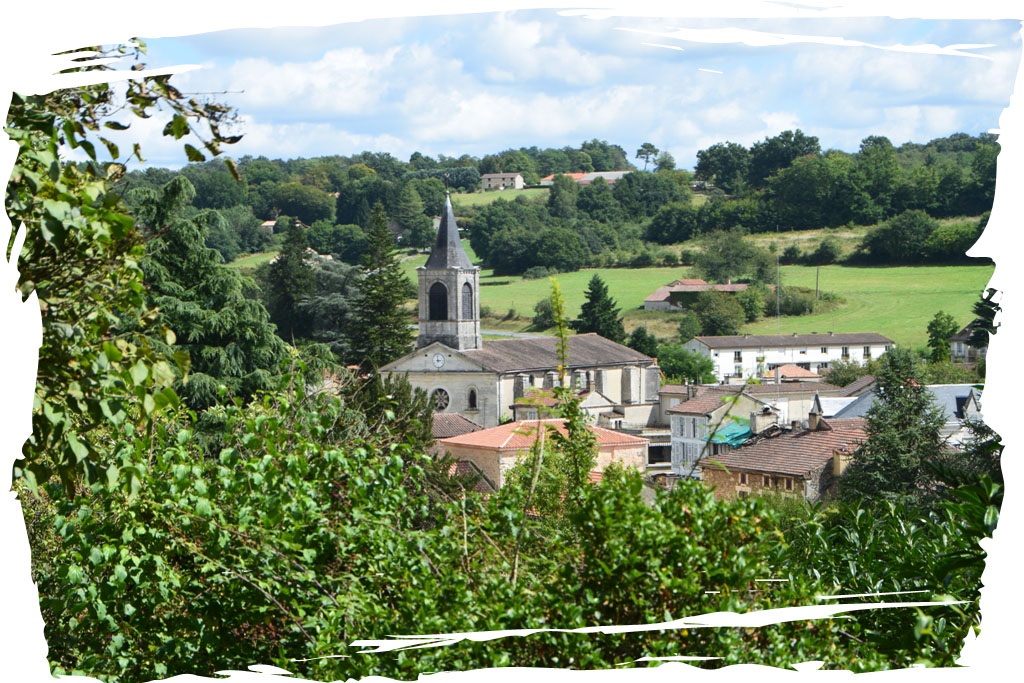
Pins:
<point x="467" y="301"/>
<point x="438" y="302"/>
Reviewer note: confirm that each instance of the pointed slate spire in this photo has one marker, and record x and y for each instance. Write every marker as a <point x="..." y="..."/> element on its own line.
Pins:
<point x="447" y="251"/>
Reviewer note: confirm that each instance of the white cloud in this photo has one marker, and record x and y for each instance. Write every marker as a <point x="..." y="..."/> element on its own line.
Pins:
<point x="742" y="36"/>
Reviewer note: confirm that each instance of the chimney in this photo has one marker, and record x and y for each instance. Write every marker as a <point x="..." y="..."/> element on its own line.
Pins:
<point x="778" y="374"/>
<point x="795" y="425"/>
<point x="691" y="391"/>
<point x="591" y="382"/>
<point x="812" y="421"/>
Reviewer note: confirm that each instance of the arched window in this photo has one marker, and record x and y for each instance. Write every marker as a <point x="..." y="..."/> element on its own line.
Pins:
<point x="472" y="399"/>
<point x="438" y="302"/>
<point x="467" y="301"/>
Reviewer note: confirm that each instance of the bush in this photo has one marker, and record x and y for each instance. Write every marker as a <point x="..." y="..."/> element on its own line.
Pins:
<point x="642" y="260"/>
<point x="543" y="315"/>
<point x="670" y="259"/>
<point x="689" y="327"/>
<point x="791" y="255"/>
<point x="827" y="252"/>
<point x="687" y="257"/>
<point x="796" y="301"/>
<point x="536" y="273"/>
<point x="486" y="311"/>
<point x="511" y="315"/>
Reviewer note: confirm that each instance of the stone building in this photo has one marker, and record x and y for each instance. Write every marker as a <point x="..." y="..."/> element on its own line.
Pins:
<point x="496" y="450"/>
<point x="797" y="462"/>
<point x="481" y="379"/>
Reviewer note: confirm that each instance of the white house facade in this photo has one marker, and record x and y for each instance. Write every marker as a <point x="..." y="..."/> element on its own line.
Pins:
<point x="751" y="355"/>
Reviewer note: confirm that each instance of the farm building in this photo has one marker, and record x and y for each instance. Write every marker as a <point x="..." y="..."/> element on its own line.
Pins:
<point x="681" y="293"/>
<point x="502" y="181"/>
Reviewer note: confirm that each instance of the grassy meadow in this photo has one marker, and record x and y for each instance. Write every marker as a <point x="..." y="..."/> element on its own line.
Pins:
<point x="464" y="199"/>
<point x="897" y="301"/>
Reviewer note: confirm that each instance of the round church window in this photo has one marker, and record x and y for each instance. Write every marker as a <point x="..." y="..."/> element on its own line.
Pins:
<point x="440" y="399"/>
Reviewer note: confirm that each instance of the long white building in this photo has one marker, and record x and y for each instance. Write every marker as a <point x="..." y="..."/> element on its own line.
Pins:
<point x="753" y="355"/>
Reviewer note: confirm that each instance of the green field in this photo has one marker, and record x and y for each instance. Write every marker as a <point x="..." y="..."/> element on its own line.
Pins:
<point x="896" y="301"/>
<point x="462" y="199"/>
<point x="252" y="261"/>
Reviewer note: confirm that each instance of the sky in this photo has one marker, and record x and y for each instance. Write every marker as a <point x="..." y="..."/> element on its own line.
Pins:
<point x="482" y="83"/>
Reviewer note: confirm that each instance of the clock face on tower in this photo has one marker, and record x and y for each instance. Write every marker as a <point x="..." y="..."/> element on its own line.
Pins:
<point x="438" y="360"/>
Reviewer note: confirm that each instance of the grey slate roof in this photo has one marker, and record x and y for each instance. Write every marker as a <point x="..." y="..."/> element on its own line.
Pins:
<point x="756" y="341"/>
<point x="541" y="354"/>
<point x="448" y="251"/>
<point x="950" y="398"/>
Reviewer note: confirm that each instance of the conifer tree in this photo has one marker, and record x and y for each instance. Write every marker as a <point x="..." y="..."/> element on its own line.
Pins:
<point x="381" y="331"/>
<point x="227" y="334"/>
<point x="289" y="281"/>
<point x="643" y="341"/>
<point x="599" y="314"/>
<point x="903" y="438"/>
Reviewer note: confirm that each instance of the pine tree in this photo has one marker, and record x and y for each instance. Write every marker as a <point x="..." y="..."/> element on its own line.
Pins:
<point x="599" y="314"/>
<point x="227" y="334"/>
<point x="289" y="281"/>
<point x="381" y="330"/>
<point x="903" y="438"/>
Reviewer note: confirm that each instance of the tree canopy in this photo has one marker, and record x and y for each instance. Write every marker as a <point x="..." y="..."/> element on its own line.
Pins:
<point x="599" y="313"/>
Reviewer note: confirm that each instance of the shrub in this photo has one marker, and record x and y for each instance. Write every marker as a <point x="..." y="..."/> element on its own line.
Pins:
<point x="670" y="259"/>
<point x="827" y="252"/>
<point x="543" y="315"/>
<point x="511" y="315"/>
<point x="791" y="255"/>
<point x="536" y="273"/>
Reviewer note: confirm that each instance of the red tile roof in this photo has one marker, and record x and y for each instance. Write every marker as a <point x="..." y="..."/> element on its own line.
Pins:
<point x="574" y="176"/>
<point x="790" y="371"/>
<point x="706" y="400"/>
<point x="446" y="425"/>
<point x="790" y="453"/>
<point x="520" y="435"/>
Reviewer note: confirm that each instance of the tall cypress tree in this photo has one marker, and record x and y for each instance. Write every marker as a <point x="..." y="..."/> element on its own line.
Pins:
<point x="381" y="331"/>
<point x="599" y="314"/>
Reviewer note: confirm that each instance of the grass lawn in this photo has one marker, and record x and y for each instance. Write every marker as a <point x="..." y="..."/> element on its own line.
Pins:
<point x="252" y="261"/>
<point x="461" y="199"/>
<point x="896" y="301"/>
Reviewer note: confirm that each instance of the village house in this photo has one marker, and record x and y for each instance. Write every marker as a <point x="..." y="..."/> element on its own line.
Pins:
<point x="799" y="462"/>
<point x="962" y="352"/>
<point x="713" y="420"/>
<point x="481" y="379"/>
<point x="496" y="450"/>
<point x="586" y="178"/>
<point x="681" y="294"/>
<point x="502" y="181"/>
<point x="751" y="355"/>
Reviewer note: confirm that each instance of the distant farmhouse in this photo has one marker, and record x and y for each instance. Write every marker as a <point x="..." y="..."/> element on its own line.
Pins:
<point x="502" y="181"/>
<point x="482" y="379"/>
<point x="682" y="293"/>
<point x="586" y="178"/>
<point x="749" y="355"/>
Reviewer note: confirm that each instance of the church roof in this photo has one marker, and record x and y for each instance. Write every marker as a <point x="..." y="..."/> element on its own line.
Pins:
<point x="541" y="353"/>
<point x="447" y="251"/>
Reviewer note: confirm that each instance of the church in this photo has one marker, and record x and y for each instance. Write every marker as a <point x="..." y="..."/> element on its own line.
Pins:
<point x="482" y="379"/>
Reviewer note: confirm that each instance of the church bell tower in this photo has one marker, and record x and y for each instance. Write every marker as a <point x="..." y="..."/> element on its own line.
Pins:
<point x="449" y="286"/>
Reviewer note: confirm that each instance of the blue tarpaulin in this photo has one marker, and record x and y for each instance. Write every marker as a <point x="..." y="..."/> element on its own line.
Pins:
<point x="733" y="434"/>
